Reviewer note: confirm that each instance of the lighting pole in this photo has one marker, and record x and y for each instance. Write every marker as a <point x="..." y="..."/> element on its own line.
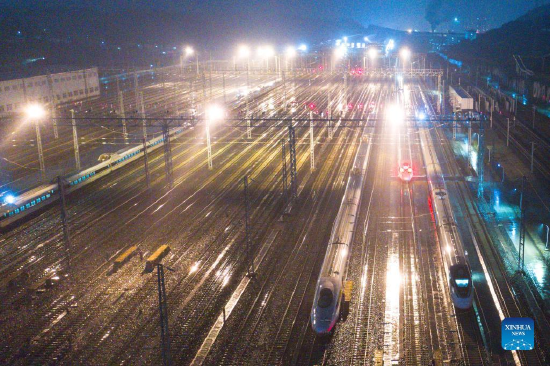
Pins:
<point x="244" y="52"/>
<point x="75" y="142"/>
<point x="35" y="112"/>
<point x="311" y="142"/>
<point x="547" y="234"/>
<point x="405" y="55"/>
<point x="214" y="114"/>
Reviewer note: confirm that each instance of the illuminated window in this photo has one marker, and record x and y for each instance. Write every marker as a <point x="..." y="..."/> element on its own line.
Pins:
<point x="462" y="282"/>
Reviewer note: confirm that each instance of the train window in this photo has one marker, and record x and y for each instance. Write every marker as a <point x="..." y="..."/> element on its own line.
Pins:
<point x="325" y="298"/>
<point x="22" y="208"/>
<point x="38" y="200"/>
<point x="462" y="282"/>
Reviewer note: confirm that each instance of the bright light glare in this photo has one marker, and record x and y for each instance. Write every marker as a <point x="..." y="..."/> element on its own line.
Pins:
<point x="266" y="52"/>
<point x="302" y="48"/>
<point x="194" y="268"/>
<point x="215" y="113"/>
<point x="373" y="52"/>
<point x="244" y="51"/>
<point x="9" y="199"/>
<point x="290" y="51"/>
<point x="405" y="53"/>
<point x="340" y="51"/>
<point x="189" y="51"/>
<point x="35" y="111"/>
<point x="395" y="113"/>
<point x="422" y="116"/>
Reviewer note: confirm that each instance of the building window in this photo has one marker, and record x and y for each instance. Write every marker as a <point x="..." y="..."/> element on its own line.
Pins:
<point x="70" y="94"/>
<point x="9" y="107"/>
<point x="30" y="85"/>
<point x="17" y="105"/>
<point x="46" y="99"/>
<point x="56" y="80"/>
<point x="96" y="88"/>
<point x="1" y="108"/>
<point x="58" y="97"/>
<point x="14" y="87"/>
<point x="81" y="91"/>
<point x="91" y="90"/>
<point x="64" y="95"/>
<point x="6" y="88"/>
<point x="79" y="77"/>
<point x="74" y="77"/>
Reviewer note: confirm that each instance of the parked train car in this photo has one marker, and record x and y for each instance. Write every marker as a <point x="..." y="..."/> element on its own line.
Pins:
<point x="327" y="303"/>
<point x="38" y="198"/>
<point x="458" y="271"/>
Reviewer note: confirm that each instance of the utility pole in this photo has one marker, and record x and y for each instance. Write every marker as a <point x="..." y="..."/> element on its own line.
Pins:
<point x="143" y="116"/>
<point x="40" y="151"/>
<point x="293" y="173"/>
<point x="481" y="157"/>
<point x="122" y="114"/>
<point x="521" y="250"/>
<point x="146" y="163"/>
<point x="167" y="154"/>
<point x="136" y="88"/>
<point x="249" y="259"/>
<point x="210" y="75"/>
<point x="75" y="142"/>
<point x="534" y="114"/>
<point x="208" y="144"/>
<point x="285" y="174"/>
<point x="248" y="128"/>
<point x="311" y="142"/>
<point x="64" y="221"/>
<point x="329" y="116"/>
<point x="163" y="312"/>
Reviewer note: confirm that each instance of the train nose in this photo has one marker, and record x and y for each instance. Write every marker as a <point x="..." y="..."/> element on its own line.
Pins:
<point x="321" y="326"/>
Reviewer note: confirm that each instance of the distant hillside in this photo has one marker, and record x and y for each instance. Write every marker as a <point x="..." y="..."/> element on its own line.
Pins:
<point x="83" y="35"/>
<point x="527" y="36"/>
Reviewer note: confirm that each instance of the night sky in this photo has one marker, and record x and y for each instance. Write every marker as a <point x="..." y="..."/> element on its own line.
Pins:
<point x="400" y="14"/>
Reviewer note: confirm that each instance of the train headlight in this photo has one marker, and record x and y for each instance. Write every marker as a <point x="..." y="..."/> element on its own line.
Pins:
<point x="9" y="199"/>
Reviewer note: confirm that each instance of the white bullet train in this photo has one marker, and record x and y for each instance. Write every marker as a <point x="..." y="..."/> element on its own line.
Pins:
<point x="15" y="208"/>
<point x="458" y="271"/>
<point x="330" y="285"/>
